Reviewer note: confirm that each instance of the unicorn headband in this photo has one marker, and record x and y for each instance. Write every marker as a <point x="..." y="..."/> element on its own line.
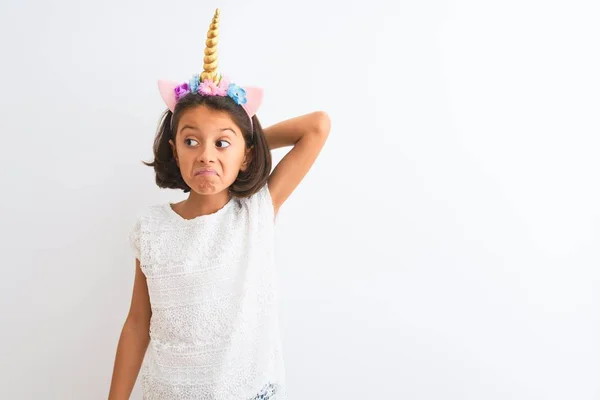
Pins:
<point x="210" y="83"/>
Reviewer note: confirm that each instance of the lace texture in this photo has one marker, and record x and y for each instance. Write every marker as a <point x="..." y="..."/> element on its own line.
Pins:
<point x="214" y="332"/>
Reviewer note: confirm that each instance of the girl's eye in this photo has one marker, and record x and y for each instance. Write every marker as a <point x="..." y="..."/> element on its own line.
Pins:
<point x="193" y="143"/>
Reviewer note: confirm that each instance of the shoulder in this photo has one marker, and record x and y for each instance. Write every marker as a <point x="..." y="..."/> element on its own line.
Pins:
<point x="144" y="221"/>
<point x="149" y="215"/>
<point x="260" y="203"/>
<point x="262" y="197"/>
<point x="154" y="211"/>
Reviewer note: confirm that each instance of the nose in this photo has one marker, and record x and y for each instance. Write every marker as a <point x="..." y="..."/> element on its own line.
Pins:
<point x="206" y="154"/>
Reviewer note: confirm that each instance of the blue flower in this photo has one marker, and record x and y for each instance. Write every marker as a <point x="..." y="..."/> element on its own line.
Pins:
<point x="237" y="93"/>
<point x="194" y="83"/>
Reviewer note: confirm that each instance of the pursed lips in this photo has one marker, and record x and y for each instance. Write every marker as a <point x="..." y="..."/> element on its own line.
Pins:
<point x="205" y="171"/>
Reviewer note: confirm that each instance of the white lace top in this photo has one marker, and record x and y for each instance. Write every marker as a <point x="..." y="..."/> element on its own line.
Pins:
<point x="214" y="332"/>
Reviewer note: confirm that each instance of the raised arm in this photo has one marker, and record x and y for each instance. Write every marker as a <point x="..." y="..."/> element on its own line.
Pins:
<point x="308" y="134"/>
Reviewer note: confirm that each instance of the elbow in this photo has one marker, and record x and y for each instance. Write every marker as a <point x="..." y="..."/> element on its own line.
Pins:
<point x="322" y="123"/>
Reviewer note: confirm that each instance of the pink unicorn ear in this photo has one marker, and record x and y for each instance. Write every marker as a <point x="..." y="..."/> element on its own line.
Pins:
<point x="254" y="97"/>
<point x="167" y="92"/>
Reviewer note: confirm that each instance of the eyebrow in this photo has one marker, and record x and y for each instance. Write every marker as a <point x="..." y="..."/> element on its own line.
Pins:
<point x="196" y="129"/>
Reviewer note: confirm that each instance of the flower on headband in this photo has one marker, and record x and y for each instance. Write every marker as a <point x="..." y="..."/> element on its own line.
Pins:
<point x="194" y="83"/>
<point x="209" y="88"/>
<point x="237" y="93"/>
<point x="181" y="90"/>
<point x="224" y="84"/>
<point x="221" y="90"/>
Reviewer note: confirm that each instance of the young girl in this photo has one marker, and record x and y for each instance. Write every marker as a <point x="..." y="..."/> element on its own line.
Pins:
<point x="203" y="317"/>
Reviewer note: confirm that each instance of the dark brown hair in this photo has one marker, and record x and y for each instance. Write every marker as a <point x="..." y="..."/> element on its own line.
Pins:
<point x="247" y="182"/>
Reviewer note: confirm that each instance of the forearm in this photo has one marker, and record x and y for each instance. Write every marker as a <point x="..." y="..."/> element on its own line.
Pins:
<point x="290" y="131"/>
<point x="128" y="361"/>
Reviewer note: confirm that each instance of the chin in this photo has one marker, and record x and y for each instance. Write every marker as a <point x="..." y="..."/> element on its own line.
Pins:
<point x="205" y="188"/>
<point x="201" y="186"/>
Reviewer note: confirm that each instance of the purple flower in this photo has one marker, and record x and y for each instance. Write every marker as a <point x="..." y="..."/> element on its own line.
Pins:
<point x="181" y="90"/>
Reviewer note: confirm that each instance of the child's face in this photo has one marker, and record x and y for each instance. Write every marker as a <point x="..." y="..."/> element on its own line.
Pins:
<point x="208" y="139"/>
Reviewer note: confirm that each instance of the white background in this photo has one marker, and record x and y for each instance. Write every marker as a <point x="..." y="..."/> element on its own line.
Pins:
<point x="444" y="246"/>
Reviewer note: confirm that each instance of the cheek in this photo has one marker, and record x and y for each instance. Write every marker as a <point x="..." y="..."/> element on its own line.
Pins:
<point x="239" y="156"/>
<point x="185" y="156"/>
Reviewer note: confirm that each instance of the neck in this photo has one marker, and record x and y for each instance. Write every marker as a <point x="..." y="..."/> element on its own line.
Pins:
<point x="197" y="205"/>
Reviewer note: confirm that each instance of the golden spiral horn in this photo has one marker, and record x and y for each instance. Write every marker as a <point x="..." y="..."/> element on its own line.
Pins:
<point x="210" y="52"/>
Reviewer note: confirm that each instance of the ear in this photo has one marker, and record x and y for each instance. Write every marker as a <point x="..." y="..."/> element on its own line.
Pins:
<point x="174" y="150"/>
<point x="247" y="159"/>
<point x="167" y="92"/>
<point x="254" y="97"/>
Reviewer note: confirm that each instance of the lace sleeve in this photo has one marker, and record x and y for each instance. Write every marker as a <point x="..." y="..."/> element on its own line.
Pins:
<point x="134" y="238"/>
<point x="265" y="203"/>
<point x="269" y="202"/>
<point x="260" y="204"/>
